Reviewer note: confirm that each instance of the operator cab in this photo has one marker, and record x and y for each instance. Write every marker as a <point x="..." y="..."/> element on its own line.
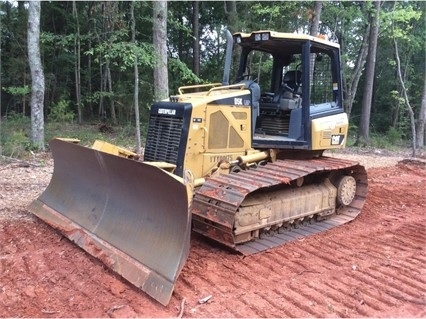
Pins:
<point x="299" y="79"/>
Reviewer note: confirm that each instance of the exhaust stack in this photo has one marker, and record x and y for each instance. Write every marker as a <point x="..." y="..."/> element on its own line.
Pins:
<point x="228" y="57"/>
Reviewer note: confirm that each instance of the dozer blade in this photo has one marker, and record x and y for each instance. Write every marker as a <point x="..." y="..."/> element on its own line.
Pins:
<point x="132" y="216"/>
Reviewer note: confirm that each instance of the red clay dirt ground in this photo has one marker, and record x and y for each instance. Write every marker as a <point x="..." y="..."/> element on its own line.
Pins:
<point x="374" y="266"/>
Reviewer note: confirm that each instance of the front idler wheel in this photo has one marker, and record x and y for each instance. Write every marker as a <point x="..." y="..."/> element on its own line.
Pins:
<point x="346" y="189"/>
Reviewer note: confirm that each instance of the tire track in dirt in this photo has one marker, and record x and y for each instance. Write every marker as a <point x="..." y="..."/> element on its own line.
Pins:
<point x="364" y="285"/>
<point x="361" y="297"/>
<point x="275" y="300"/>
<point x="401" y="282"/>
<point x="250" y="274"/>
<point x="296" y="304"/>
<point x="245" y="276"/>
<point x="382" y="284"/>
<point x="337" y="300"/>
<point x="197" y="286"/>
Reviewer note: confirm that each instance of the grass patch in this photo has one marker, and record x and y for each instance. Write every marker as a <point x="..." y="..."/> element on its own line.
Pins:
<point x="15" y="135"/>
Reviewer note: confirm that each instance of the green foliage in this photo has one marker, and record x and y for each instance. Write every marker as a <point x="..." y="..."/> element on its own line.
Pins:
<point x="60" y="112"/>
<point x="16" y="119"/>
<point x="180" y="75"/>
<point x="120" y="135"/>
<point x="394" y="136"/>
<point x="122" y="54"/>
<point x="16" y="145"/>
<point x="96" y="95"/>
<point x="18" y="90"/>
<point x="14" y="135"/>
<point x="389" y="141"/>
<point x="399" y="21"/>
<point x="287" y="16"/>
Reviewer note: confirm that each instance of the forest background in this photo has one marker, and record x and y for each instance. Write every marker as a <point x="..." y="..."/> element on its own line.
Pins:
<point x="92" y="51"/>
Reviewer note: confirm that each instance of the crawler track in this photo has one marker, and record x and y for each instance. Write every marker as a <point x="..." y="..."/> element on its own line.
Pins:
<point x="217" y="202"/>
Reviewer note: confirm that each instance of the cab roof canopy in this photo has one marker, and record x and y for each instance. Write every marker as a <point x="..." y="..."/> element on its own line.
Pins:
<point x="274" y="42"/>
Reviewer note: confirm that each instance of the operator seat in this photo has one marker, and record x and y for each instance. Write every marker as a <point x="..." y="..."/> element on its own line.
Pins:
<point x="289" y="86"/>
<point x="291" y="81"/>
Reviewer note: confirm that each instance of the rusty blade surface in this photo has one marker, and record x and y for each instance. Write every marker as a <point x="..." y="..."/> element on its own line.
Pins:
<point x="132" y="216"/>
<point x="216" y="203"/>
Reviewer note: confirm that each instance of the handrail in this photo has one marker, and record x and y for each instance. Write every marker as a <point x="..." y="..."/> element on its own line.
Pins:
<point x="180" y="90"/>
<point x="238" y="85"/>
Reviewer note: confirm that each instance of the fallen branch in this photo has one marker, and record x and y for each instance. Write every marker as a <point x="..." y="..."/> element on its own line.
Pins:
<point x="49" y="312"/>
<point x="112" y="309"/>
<point x="21" y="162"/>
<point x="312" y="271"/>
<point x="182" y="306"/>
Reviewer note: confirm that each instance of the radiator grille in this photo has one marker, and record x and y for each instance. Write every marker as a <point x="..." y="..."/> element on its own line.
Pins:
<point x="163" y="138"/>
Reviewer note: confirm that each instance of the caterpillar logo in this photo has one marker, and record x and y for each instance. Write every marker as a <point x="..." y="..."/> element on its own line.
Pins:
<point x="337" y="139"/>
<point x="167" y="111"/>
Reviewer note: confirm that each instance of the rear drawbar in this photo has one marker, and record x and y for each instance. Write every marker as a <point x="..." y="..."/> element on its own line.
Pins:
<point x="132" y="216"/>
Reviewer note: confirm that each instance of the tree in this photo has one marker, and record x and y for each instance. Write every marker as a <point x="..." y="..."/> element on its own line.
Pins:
<point x="401" y="62"/>
<point x="402" y="18"/>
<point x="110" y="16"/>
<point x="351" y="85"/>
<point x="232" y="15"/>
<point x="136" y="89"/>
<point x="15" y="77"/>
<point x="406" y="99"/>
<point x="161" y="79"/>
<point x="37" y="75"/>
<point x="422" y="117"/>
<point x="77" y="48"/>
<point x="314" y="31"/>
<point x="316" y="16"/>
<point x="364" y="128"/>
<point x="196" y="31"/>
<point x="348" y="21"/>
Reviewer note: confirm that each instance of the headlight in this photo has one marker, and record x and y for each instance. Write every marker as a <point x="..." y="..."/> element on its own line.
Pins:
<point x="238" y="39"/>
<point x="261" y="36"/>
<point x="265" y="36"/>
<point x="174" y="98"/>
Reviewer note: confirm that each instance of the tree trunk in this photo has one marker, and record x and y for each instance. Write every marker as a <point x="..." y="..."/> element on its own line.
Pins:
<point x="352" y="85"/>
<point x="233" y="22"/>
<point x="77" y="66"/>
<point x="1" y="149"/>
<point x="314" y="31"/>
<point x="102" y="80"/>
<point x="109" y="17"/>
<point x="136" y="90"/>
<point x="421" y="118"/>
<point x="407" y="101"/>
<point x="37" y="75"/>
<point x="89" y="61"/>
<point x="316" y="18"/>
<point x="232" y="16"/>
<point x="363" y="134"/>
<point x="161" y="78"/>
<point x="111" y="97"/>
<point x="196" y="31"/>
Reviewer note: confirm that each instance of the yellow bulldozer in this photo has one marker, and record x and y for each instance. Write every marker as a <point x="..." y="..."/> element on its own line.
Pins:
<point x="240" y="163"/>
